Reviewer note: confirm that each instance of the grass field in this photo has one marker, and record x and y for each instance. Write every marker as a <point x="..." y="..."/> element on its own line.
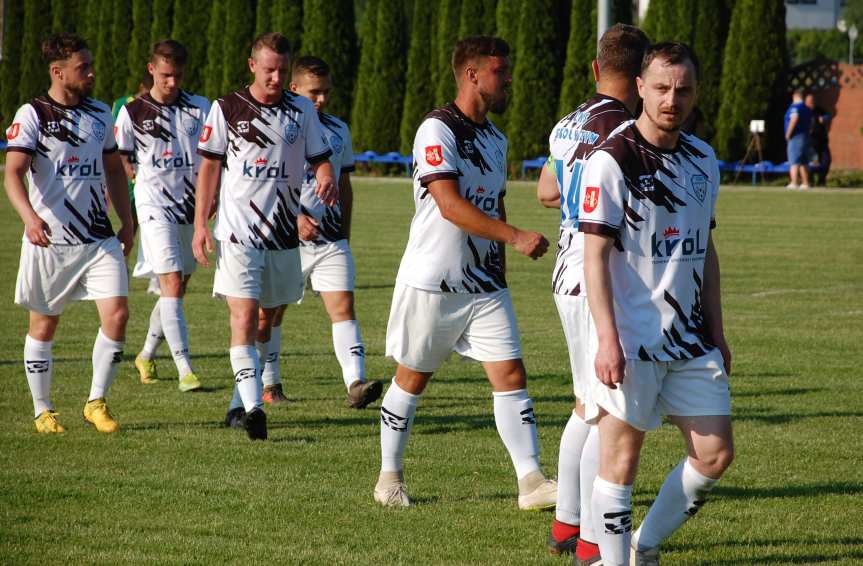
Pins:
<point x="173" y="487"/>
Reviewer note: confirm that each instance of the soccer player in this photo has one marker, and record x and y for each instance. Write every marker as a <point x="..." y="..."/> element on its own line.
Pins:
<point x="257" y="141"/>
<point x="451" y="292"/>
<point x="158" y="133"/>
<point x="325" y="254"/>
<point x="648" y="198"/>
<point x="617" y="63"/>
<point x="63" y="143"/>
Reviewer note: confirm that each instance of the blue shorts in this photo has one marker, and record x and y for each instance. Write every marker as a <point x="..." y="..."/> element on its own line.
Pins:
<point x="798" y="149"/>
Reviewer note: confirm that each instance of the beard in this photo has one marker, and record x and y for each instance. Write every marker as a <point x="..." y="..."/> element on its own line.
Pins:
<point x="674" y="127"/>
<point x="496" y="103"/>
<point x="83" y="89"/>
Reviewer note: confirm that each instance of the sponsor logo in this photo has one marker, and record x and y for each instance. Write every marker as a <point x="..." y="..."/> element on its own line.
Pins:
<point x="74" y="168"/>
<point x="468" y="147"/>
<point x="292" y="132"/>
<point x="358" y="350"/>
<point x="243" y="127"/>
<point x="481" y="200"/>
<point x="434" y="155"/>
<point x="394" y="421"/>
<point x="52" y="127"/>
<point x="527" y="417"/>
<point x="37" y="366"/>
<point x="190" y="126"/>
<point x="13" y="131"/>
<point x="336" y="143"/>
<point x="617" y="523"/>
<point x="645" y="183"/>
<point x="591" y="199"/>
<point x="205" y="134"/>
<point x="171" y="161"/>
<point x="671" y="242"/>
<point x="243" y="374"/>
<point x="699" y="185"/>
<point x="99" y="130"/>
<point x="148" y="125"/>
<point x="117" y="357"/>
<point x="261" y="169"/>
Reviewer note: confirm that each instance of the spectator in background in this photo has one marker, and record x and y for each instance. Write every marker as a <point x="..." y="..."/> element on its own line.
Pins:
<point x="798" y="119"/>
<point x="818" y="137"/>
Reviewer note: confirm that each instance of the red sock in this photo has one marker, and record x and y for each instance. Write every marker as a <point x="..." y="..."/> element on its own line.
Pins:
<point x="586" y="550"/>
<point x="562" y="531"/>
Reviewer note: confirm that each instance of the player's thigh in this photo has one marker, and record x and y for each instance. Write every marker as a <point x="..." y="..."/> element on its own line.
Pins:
<point x="334" y="268"/>
<point x="491" y="333"/>
<point x="239" y="271"/>
<point x="424" y="326"/>
<point x="282" y="278"/>
<point x="580" y="337"/>
<point x="636" y="399"/>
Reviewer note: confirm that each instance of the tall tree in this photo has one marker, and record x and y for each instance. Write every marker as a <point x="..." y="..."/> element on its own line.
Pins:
<point x="753" y="79"/>
<point x="329" y="33"/>
<point x="536" y="82"/>
<point x="64" y="15"/>
<point x="387" y="90"/>
<point x="447" y="36"/>
<point x="190" y="18"/>
<point x="506" y="19"/>
<point x="10" y="65"/>
<point x="120" y="35"/>
<point x="360" y="124"/>
<point x="139" y="43"/>
<point x="104" y="54"/>
<point x="33" y="77"/>
<point x="578" y="82"/>
<point x="419" y="91"/>
<point x="162" y="19"/>
<point x="477" y="17"/>
<point x="215" y="51"/>
<point x="660" y="22"/>
<point x="237" y="38"/>
<point x="287" y="19"/>
<point x="711" y="30"/>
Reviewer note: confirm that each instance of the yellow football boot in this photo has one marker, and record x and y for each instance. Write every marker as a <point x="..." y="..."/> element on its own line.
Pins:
<point x="147" y="370"/>
<point x="97" y="414"/>
<point x="189" y="382"/>
<point x="47" y="422"/>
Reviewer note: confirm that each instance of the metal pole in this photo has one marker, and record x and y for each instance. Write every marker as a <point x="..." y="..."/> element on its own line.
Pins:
<point x="603" y="17"/>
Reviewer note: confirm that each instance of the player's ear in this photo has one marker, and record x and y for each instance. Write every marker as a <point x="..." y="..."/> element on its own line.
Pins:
<point x="595" y="66"/>
<point x="639" y="84"/>
<point x="252" y="64"/>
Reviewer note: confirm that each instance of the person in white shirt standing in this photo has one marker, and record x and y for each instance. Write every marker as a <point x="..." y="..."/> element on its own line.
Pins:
<point x="451" y="292"/>
<point x="158" y="138"/>
<point x="256" y="142"/>
<point x="648" y="201"/>
<point x="62" y="142"/>
<point x="325" y="253"/>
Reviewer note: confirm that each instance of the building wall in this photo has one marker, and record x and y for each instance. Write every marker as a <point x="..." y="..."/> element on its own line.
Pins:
<point x="820" y="14"/>
<point x="846" y="131"/>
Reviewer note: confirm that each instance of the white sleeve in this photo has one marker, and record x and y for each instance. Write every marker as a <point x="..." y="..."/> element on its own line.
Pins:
<point x="213" y="142"/>
<point x="435" y="153"/>
<point x="600" y="197"/>
<point x="714" y="181"/>
<point x="124" y="132"/>
<point x="317" y="148"/>
<point x="23" y="134"/>
<point x="348" y="164"/>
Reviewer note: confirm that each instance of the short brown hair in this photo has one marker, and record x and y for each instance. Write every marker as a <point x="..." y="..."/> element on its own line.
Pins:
<point x="272" y="40"/>
<point x="61" y="46"/>
<point x="309" y="64"/>
<point x="170" y="50"/>
<point x="470" y="48"/>
<point x="672" y="52"/>
<point x="621" y="50"/>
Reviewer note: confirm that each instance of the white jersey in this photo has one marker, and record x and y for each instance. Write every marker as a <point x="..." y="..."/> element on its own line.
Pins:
<point x="67" y="174"/>
<point x="570" y="142"/>
<point x="440" y="256"/>
<point x="659" y="207"/>
<point x="342" y="159"/>
<point x="162" y="140"/>
<point x="264" y="148"/>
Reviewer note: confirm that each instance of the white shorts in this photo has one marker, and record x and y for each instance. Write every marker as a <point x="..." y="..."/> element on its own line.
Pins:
<point x="581" y="340"/>
<point x="165" y="248"/>
<point x="49" y="278"/>
<point x="272" y="277"/>
<point x="330" y="266"/>
<point x="426" y="326"/>
<point x="650" y="390"/>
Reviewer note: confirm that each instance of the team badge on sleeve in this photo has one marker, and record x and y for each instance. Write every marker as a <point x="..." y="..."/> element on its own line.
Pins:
<point x="591" y="199"/>
<point x="13" y="131"/>
<point x="205" y="135"/>
<point x="434" y="155"/>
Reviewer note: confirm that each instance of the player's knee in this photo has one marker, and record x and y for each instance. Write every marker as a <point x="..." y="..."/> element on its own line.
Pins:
<point x="716" y="462"/>
<point x="118" y="318"/>
<point x="246" y="320"/>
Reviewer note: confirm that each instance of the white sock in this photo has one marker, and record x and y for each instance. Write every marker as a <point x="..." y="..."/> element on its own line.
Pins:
<point x="107" y="355"/>
<point x="350" y="351"/>
<point x="247" y="375"/>
<point x="516" y="425"/>
<point x="612" y="517"/>
<point x="39" y="367"/>
<point x="572" y="441"/>
<point x="271" y="374"/>
<point x="236" y="400"/>
<point x="588" y="471"/>
<point x="176" y="332"/>
<point x="155" y="336"/>
<point x="397" y="416"/>
<point x="681" y="496"/>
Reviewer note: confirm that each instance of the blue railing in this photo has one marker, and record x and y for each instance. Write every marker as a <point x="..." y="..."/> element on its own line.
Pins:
<point x="392" y="157"/>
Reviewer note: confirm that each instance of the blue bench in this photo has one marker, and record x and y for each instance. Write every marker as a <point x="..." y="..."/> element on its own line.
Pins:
<point x="393" y="157"/>
<point x="532" y="164"/>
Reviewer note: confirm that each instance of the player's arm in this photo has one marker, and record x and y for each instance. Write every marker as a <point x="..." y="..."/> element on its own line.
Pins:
<point x="711" y="297"/>
<point x="346" y="202"/>
<point x="128" y="167"/>
<point x="118" y="190"/>
<point x="609" y="361"/>
<point x="501" y="207"/>
<point x="36" y="229"/>
<point x="205" y="194"/>
<point x="326" y="188"/>
<point x="792" y="123"/>
<point x="456" y="209"/>
<point x="547" y="190"/>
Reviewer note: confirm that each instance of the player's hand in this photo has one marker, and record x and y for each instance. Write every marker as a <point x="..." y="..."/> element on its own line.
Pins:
<point x="202" y="243"/>
<point x="609" y="363"/>
<point x="307" y="227"/>
<point x="532" y="244"/>
<point x="126" y="235"/>
<point x="327" y="191"/>
<point x="37" y="231"/>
